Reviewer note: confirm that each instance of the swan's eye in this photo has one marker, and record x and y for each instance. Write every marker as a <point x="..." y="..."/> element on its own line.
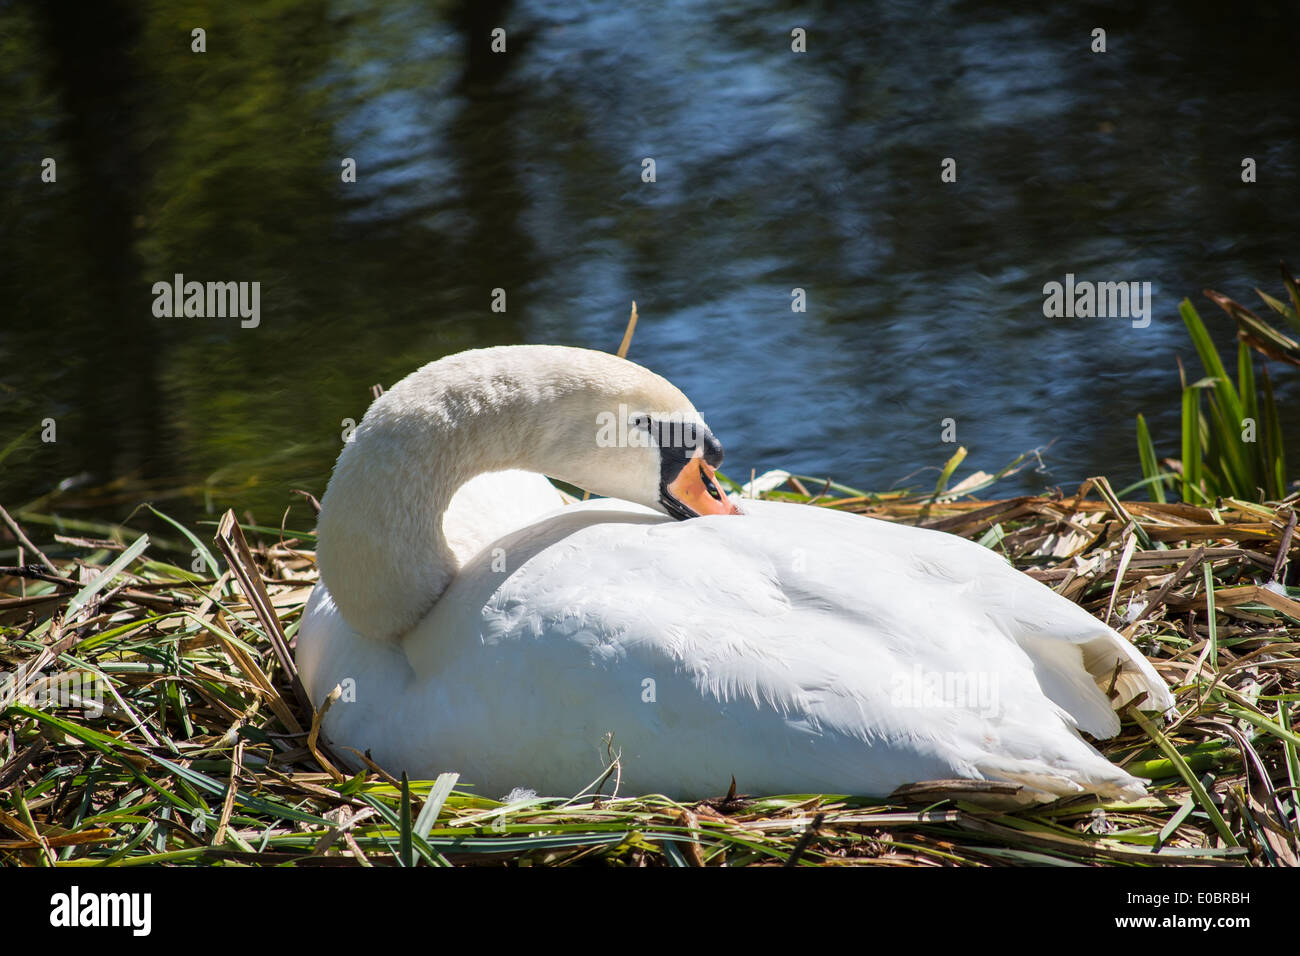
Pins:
<point x="709" y="486"/>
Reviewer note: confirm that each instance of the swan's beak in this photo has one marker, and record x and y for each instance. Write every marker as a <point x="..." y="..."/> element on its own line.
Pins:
<point x="695" y="492"/>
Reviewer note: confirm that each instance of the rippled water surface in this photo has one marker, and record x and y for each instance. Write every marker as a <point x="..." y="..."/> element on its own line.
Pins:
<point x="523" y="171"/>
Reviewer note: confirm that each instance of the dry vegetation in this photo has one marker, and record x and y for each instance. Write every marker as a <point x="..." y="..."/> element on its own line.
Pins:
<point x="205" y="752"/>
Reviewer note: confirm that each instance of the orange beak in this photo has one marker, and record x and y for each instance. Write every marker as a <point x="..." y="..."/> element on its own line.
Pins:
<point x="697" y="489"/>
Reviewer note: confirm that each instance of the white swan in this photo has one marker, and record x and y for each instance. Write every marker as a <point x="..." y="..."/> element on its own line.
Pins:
<point x="488" y="631"/>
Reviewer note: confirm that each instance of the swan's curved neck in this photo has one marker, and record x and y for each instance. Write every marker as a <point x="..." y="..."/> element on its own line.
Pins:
<point x="382" y="552"/>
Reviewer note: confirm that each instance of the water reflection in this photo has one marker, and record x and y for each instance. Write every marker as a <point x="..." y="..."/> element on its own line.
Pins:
<point x="479" y="171"/>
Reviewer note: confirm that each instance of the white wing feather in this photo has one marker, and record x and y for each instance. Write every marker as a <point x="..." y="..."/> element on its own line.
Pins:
<point x="800" y="649"/>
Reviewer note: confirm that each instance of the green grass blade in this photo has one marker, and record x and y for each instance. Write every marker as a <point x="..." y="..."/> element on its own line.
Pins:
<point x="1175" y="821"/>
<point x="1281" y="308"/>
<point x="101" y="580"/>
<point x="1274" y="453"/>
<point x="1292" y="761"/>
<point x="1162" y="479"/>
<point x="1150" y="465"/>
<point x="1226" y="450"/>
<point x="1192" y="781"/>
<point x="194" y="541"/>
<point x="1225" y="416"/>
<point x="1192" y="493"/>
<point x="1209" y="355"/>
<point x="406" y="855"/>
<point x="1293" y="291"/>
<point x="949" y="467"/>
<point x="1209" y="612"/>
<point x="1264" y="724"/>
<point x="1246" y="382"/>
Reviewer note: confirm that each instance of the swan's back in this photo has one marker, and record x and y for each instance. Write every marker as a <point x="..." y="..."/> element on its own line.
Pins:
<point x="799" y="649"/>
<point x="491" y="505"/>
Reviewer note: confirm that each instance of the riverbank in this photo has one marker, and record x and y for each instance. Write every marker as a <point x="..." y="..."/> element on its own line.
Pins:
<point x="165" y="724"/>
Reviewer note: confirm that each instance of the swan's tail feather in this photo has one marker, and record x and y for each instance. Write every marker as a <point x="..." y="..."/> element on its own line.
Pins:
<point x="1136" y="676"/>
<point x="1086" y="692"/>
<point x="1099" y="776"/>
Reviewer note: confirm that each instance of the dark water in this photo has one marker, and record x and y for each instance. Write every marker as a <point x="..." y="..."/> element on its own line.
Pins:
<point x="523" y="171"/>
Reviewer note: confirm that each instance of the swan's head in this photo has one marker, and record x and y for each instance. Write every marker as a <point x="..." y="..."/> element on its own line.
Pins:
<point x="688" y="460"/>
<point x="656" y="454"/>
